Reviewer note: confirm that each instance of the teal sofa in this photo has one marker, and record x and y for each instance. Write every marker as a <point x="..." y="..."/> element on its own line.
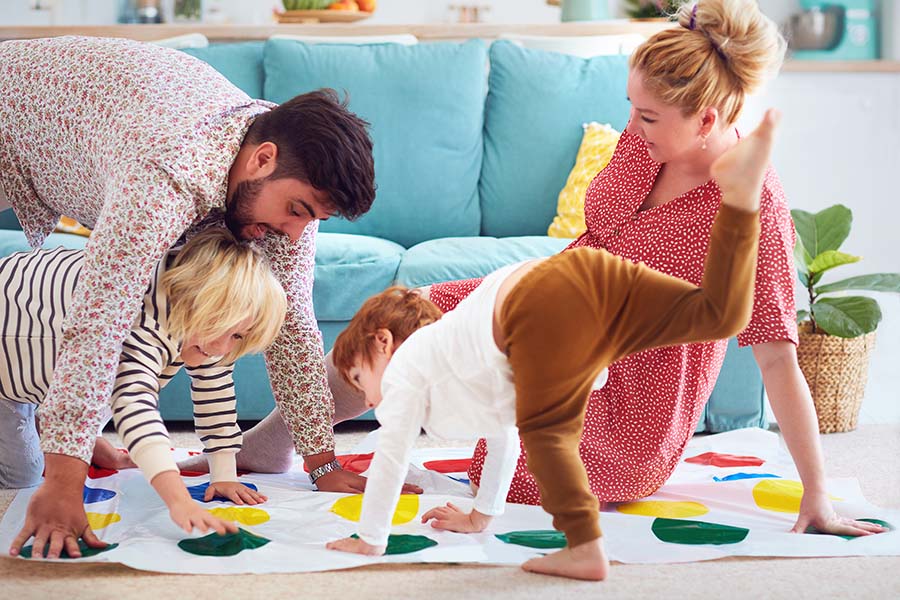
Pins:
<point x="472" y="144"/>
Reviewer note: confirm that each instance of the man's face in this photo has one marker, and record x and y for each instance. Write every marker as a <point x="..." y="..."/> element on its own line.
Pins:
<point x="283" y="205"/>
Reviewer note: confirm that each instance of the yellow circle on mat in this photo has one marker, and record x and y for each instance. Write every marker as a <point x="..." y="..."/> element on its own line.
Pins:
<point x="666" y="509"/>
<point x="351" y="507"/>
<point x="101" y="520"/>
<point x="245" y="515"/>
<point x="780" y="495"/>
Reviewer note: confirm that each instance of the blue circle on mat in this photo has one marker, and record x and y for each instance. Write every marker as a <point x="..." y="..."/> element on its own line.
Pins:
<point x="92" y="495"/>
<point x="199" y="491"/>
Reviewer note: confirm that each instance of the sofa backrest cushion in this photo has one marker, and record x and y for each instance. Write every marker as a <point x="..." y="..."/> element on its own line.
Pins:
<point x="536" y="106"/>
<point x="425" y="104"/>
<point x="240" y="63"/>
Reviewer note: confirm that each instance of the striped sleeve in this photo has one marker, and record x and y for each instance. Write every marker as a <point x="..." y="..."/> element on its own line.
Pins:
<point x="215" y="418"/>
<point x="135" y="402"/>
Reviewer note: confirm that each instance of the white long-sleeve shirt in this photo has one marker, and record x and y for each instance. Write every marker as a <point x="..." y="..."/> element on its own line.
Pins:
<point x="450" y="379"/>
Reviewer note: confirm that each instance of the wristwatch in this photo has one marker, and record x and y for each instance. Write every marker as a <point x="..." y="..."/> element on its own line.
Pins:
<point x="322" y="470"/>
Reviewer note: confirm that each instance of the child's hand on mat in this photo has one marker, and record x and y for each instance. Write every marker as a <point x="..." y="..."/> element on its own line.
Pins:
<point x="816" y="511"/>
<point x="356" y="546"/>
<point x="107" y="456"/>
<point x="351" y="483"/>
<point x="451" y="518"/>
<point x="189" y="515"/>
<point x="235" y="491"/>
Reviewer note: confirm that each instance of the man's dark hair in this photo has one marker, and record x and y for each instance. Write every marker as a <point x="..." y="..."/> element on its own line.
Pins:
<point x="322" y="143"/>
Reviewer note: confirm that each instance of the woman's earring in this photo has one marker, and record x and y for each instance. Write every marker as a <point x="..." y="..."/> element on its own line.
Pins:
<point x="703" y="147"/>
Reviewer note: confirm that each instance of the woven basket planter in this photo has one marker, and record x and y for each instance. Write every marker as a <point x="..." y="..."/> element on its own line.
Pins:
<point x="836" y="370"/>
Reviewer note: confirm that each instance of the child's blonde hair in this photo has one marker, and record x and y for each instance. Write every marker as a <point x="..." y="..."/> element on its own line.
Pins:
<point x="398" y="309"/>
<point x="217" y="282"/>
<point x="724" y="50"/>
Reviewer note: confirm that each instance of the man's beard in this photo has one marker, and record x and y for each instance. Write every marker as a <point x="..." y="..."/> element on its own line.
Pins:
<point x="239" y="212"/>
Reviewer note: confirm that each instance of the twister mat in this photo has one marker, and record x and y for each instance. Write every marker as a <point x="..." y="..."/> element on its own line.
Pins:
<point x="734" y="494"/>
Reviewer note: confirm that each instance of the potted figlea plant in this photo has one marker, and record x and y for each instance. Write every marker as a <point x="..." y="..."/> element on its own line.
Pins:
<point x="837" y="331"/>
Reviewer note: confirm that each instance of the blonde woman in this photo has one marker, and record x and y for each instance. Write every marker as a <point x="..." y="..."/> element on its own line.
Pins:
<point x="655" y="203"/>
<point x="207" y="304"/>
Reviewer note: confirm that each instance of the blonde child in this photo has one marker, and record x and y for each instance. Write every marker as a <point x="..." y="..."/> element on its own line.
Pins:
<point x="207" y="304"/>
<point x="520" y="354"/>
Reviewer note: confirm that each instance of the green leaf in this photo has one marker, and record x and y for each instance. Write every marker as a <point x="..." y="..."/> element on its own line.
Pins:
<point x="824" y="230"/>
<point x="830" y="259"/>
<point x="876" y="282"/>
<point x="801" y="256"/>
<point x="804" y="278"/>
<point x="847" y="317"/>
<point x="802" y="315"/>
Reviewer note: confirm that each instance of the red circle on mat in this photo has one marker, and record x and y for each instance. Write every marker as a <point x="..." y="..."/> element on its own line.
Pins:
<point x="716" y="459"/>
<point x="455" y="465"/>
<point x="355" y="463"/>
<point x="98" y="473"/>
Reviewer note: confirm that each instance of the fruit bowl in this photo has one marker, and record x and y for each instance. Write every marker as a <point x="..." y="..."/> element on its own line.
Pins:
<point x="321" y="16"/>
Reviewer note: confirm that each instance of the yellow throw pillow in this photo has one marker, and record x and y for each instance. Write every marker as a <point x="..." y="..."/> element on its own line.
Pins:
<point x="597" y="147"/>
<point x="68" y="225"/>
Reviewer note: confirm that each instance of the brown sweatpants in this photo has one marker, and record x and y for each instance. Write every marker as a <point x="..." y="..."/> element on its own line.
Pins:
<point x="581" y="310"/>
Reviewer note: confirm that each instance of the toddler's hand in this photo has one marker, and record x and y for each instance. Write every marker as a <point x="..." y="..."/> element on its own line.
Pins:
<point x="235" y="491"/>
<point x="356" y="546"/>
<point x="189" y="515"/>
<point x="451" y="518"/>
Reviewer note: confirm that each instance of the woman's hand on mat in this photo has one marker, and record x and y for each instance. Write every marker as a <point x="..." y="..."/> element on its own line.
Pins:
<point x="356" y="546"/>
<point x="451" y="518"/>
<point x="351" y="483"/>
<point x="189" y="515"/>
<point x="817" y="511"/>
<point x="107" y="456"/>
<point x="235" y="491"/>
<point x="55" y="512"/>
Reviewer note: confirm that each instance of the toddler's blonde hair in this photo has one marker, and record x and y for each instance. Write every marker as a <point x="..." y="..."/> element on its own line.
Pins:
<point x="217" y="282"/>
<point x="724" y="50"/>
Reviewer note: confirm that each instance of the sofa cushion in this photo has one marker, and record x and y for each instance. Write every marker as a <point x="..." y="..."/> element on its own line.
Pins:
<point x="12" y="241"/>
<point x="449" y="259"/>
<point x="240" y="63"/>
<point x="349" y="269"/>
<point x="536" y="106"/>
<point x="425" y="104"/>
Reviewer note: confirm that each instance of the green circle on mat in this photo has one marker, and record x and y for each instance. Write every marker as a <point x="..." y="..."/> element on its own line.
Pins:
<point x="683" y="531"/>
<point x="406" y="544"/>
<point x="884" y="524"/>
<point x="86" y="550"/>
<point x="223" y="545"/>
<point x="542" y="538"/>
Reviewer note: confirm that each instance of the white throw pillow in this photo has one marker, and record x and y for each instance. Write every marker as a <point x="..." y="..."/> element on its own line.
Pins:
<point x="584" y="46"/>
<point x="180" y="42"/>
<point x="406" y="39"/>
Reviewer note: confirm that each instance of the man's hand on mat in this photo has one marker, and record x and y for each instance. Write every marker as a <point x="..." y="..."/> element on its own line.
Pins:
<point x="451" y="518"/>
<point x="189" y="515"/>
<point x="351" y="483"/>
<point x="816" y="511"/>
<point x="55" y="512"/>
<point x="356" y="546"/>
<point x="235" y="491"/>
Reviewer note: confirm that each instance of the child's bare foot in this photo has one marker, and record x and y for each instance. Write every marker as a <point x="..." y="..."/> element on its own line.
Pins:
<point x="106" y="456"/>
<point x="739" y="172"/>
<point x="584" y="561"/>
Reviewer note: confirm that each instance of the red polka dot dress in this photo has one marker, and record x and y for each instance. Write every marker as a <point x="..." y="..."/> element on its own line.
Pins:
<point x="637" y="425"/>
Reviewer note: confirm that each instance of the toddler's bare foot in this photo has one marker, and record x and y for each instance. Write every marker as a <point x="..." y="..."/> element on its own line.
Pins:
<point x="739" y="172"/>
<point x="106" y="456"/>
<point x="584" y="561"/>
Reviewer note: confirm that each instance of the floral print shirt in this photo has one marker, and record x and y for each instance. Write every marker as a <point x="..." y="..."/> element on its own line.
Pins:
<point x="136" y="142"/>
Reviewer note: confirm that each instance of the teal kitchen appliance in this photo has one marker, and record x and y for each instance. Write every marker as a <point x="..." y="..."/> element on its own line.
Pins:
<point x="834" y="30"/>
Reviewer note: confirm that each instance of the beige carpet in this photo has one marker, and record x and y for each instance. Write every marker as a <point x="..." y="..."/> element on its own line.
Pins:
<point x="871" y="454"/>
